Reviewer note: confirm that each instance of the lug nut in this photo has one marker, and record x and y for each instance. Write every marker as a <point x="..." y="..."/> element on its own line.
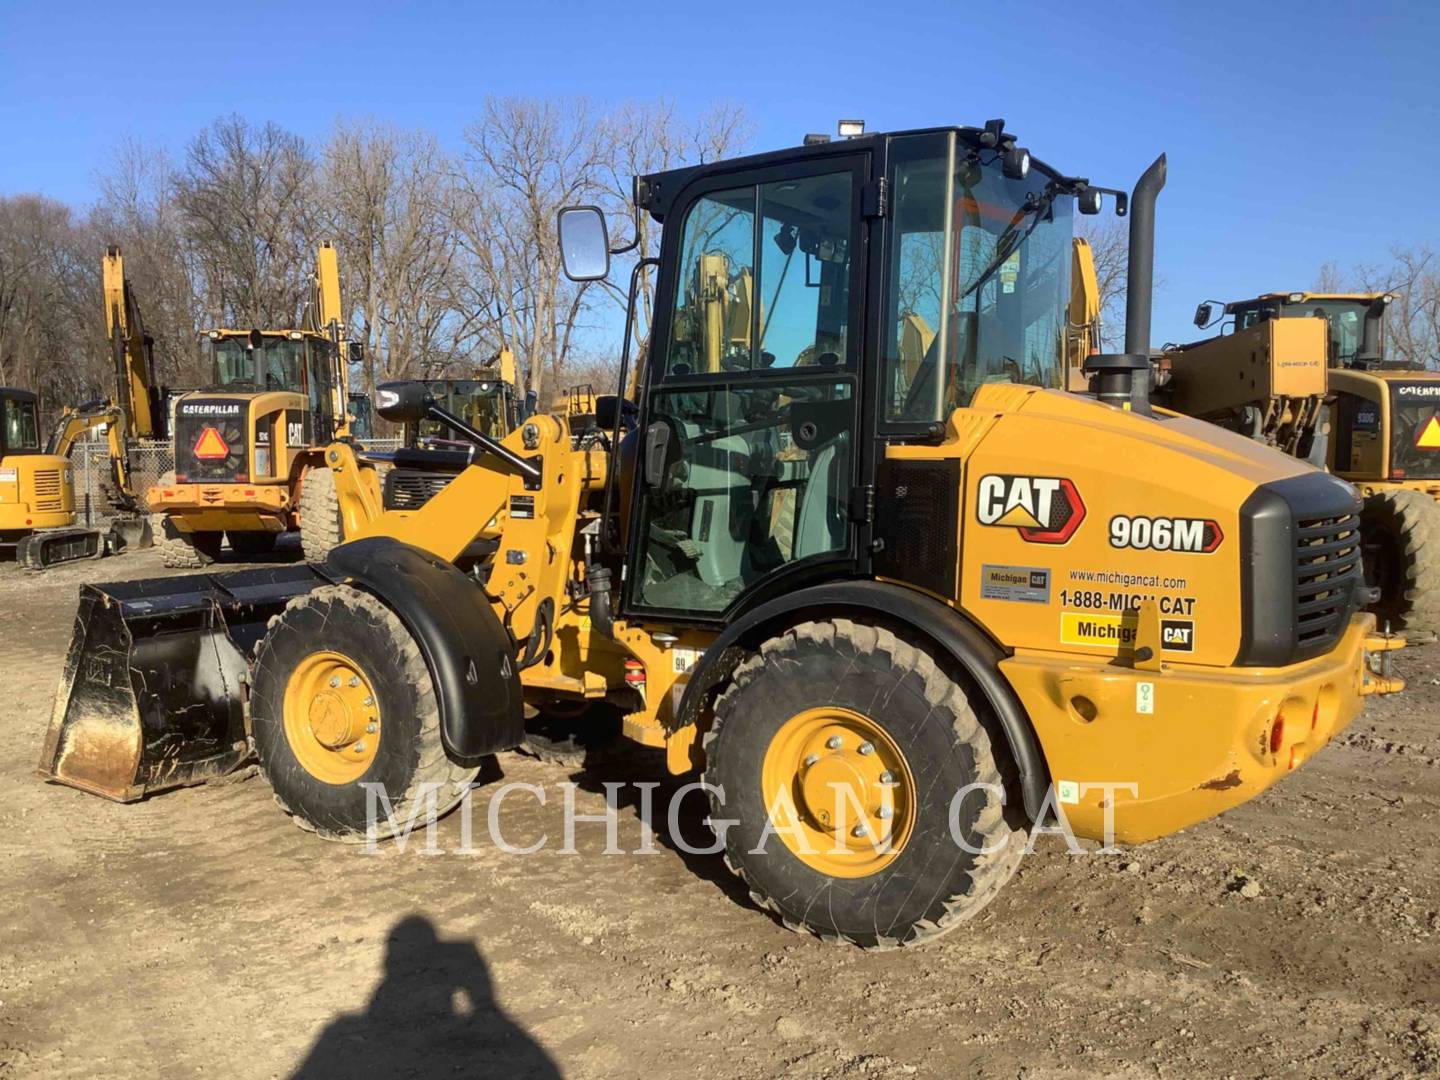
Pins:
<point x="887" y="777"/>
<point x="368" y="702"/>
<point x="810" y="759"/>
<point x="334" y="680"/>
<point x="866" y="748"/>
<point x="859" y="830"/>
<point x="370" y="729"/>
<point x="360" y="747"/>
<point x="354" y="680"/>
<point x="833" y="742"/>
<point x="885" y="813"/>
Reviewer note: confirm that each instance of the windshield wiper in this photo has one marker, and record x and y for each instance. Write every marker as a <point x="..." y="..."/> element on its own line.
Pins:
<point x="1010" y="240"/>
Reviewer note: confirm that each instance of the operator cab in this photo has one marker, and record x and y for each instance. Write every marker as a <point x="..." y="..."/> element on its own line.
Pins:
<point x="19" y="422"/>
<point x="814" y="304"/>
<point x="1356" y="322"/>
<point x="273" y="361"/>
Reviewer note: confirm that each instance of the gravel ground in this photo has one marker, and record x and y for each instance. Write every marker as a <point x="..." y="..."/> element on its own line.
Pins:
<point x="201" y="932"/>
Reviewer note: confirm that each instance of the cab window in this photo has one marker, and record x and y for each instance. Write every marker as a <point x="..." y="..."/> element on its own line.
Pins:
<point x="22" y="432"/>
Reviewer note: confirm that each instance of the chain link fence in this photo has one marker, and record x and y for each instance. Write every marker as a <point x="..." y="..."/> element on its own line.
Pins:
<point x="149" y="461"/>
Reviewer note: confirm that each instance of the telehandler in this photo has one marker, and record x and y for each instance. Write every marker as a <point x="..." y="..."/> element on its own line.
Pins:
<point x="1307" y="373"/>
<point x="898" y="614"/>
<point x="38" y="512"/>
<point x="250" y="449"/>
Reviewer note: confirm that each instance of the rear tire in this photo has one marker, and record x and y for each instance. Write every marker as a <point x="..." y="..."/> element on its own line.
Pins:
<point x="182" y="550"/>
<point x="923" y="732"/>
<point x="1400" y="532"/>
<point x="320" y="526"/>
<point x="247" y="544"/>
<point x="407" y="754"/>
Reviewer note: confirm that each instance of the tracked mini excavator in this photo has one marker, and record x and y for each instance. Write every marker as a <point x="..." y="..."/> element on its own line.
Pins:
<point x="250" y="449"/>
<point x="1308" y="373"/>
<point x="898" y="613"/>
<point x="38" y="506"/>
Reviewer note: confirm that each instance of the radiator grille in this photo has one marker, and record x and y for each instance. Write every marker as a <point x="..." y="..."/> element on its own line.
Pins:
<point x="1327" y="571"/>
<point x="47" y="490"/>
<point x="410" y="489"/>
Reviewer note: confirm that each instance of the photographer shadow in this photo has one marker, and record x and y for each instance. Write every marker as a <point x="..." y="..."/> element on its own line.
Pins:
<point x="433" y="1014"/>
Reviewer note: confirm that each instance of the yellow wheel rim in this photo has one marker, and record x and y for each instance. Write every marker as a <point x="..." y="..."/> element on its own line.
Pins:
<point x="332" y="717"/>
<point x="839" y="792"/>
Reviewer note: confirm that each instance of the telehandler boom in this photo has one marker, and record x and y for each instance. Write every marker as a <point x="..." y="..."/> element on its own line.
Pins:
<point x="899" y="609"/>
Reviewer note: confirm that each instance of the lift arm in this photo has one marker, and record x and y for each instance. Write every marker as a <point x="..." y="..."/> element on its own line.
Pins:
<point x="132" y="353"/>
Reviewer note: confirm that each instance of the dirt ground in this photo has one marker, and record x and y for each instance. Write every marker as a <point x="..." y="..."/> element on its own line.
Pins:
<point x="200" y="932"/>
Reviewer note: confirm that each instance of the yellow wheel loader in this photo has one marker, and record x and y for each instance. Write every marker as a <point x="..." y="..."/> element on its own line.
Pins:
<point x="250" y="448"/>
<point x="38" y="512"/>
<point x="897" y="614"/>
<point x="1307" y="373"/>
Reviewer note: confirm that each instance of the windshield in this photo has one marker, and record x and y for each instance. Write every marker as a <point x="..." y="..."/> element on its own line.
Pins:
<point x="229" y="361"/>
<point x="1346" y="319"/>
<point x="979" y="278"/>
<point x="1415" y="430"/>
<point x="21" y="430"/>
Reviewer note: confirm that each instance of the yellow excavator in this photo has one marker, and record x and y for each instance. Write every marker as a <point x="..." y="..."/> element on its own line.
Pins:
<point x="1307" y="373"/>
<point x="993" y="606"/>
<point x="249" y="449"/>
<point x="38" y="512"/>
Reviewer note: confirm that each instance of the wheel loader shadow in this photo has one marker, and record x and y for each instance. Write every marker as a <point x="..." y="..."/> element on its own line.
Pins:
<point x="434" y="1014"/>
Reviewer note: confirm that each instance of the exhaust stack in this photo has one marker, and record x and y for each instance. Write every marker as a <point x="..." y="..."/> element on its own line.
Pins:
<point x="1123" y="379"/>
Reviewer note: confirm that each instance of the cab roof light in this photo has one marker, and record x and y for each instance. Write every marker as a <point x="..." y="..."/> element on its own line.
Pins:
<point x="851" y="129"/>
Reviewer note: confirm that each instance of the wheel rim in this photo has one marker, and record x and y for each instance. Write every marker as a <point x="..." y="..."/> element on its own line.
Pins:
<point x="839" y="792"/>
<point x="332" y="717"/>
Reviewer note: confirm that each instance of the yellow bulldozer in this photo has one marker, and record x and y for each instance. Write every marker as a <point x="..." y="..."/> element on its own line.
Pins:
<point x="988" y="605"/>
<point x="39" y="516"/>
<point x="250" y="448"/>
<point x="1307" y="373"/>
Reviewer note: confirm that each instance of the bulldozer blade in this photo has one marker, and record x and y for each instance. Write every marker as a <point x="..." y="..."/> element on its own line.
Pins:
<point x="153" y="691"/>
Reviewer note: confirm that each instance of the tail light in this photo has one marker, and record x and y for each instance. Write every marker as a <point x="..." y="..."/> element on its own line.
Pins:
<point x="634" y="673"/>
<point x="1277" y="734"/>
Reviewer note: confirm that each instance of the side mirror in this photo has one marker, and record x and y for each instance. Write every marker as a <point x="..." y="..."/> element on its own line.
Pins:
<point x="584" y="243"/>
<point x="1202" y="315"/>
<point x="354" y="351"/>
<point x="402" y="402"/>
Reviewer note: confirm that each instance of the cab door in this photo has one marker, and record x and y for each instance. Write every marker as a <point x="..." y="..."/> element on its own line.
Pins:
<point x="748" y="452"/>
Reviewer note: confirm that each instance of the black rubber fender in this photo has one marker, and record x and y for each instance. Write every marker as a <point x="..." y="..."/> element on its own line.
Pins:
<point x="470" y="655"/>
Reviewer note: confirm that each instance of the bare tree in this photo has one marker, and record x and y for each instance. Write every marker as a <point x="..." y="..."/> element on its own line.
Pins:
<point x="247" y="196"/>
<point x="1412" y="327"/>
<point x="388" y="203"/>
<point x="525" y="159"/>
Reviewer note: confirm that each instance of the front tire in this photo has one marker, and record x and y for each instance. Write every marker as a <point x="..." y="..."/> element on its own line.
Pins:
<point x="1400" y="532"/>
<point x="839" y="705"/>
<point x="320" y="528"/>
<point x="342" y="700"/>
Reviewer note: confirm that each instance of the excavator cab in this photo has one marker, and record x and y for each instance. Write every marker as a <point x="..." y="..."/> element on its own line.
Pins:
<point x="35" y="486"/>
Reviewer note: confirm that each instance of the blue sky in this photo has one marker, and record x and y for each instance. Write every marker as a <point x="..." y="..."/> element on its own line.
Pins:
<point x="1297" y="133"/>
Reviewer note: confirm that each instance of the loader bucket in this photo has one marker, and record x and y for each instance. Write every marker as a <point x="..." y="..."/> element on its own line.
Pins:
<point x="152" y="695"/>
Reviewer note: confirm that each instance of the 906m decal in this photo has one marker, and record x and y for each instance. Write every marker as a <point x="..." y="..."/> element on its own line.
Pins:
<point x="1198" y="535"/>
<point x="1044" y="509"/>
